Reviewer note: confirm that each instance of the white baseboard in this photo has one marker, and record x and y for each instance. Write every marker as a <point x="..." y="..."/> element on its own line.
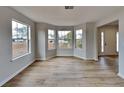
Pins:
<point x="14" y="74"/>
<point x="40" y="59"/>
<point x="120" y="75"/>
<point x="45" y="58"/>
<point x="78" y="57"/>
<point x="50" y="57"/>
<point x="67" y="56"/>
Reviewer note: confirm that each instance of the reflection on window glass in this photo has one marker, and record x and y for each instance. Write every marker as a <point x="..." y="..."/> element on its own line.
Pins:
<point x="78" y="41"/>
<point x="65" y="39"/>
<point x="20" y="39"/>
<point x="51" y="39"/>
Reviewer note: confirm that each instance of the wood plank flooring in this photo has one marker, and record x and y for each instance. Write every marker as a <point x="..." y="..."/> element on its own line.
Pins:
<point x="69" y="72"/>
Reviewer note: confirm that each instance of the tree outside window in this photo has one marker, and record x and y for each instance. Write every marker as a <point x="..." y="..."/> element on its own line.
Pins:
<point x="20" y="39"/>
<point x="65" y="39"/>
<point x="78" y="41"/>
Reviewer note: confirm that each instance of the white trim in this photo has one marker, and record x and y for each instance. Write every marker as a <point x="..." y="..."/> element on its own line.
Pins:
<point x="14" y="74"/>
<point x="18" y="21"/>
<point x="120" y="75"/>
<point x="78" y="57"/>
<point x="49" y="57"/>
<point x="21" y="56"/>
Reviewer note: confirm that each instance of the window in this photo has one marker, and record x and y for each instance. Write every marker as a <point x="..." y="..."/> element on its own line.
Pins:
<point x="51" y="39"/>
<point x="65" y="39"/>
<point x="78" y="37"/>
<point x="102" y="41"/>
<point x="117" y="41"/>
<point x="20" y="39"/>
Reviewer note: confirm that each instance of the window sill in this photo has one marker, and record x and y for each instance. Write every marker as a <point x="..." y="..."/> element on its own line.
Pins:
<point x="20" y="56"/>
<point x="64" y="48"/>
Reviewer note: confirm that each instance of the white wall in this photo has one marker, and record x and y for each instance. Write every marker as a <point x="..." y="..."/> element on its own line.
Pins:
<point x="7" y="68"/>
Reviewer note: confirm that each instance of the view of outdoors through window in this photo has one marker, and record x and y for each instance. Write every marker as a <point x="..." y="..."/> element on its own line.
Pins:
<point x="102" y="41"/>
<point x="117" y="41"/>
<point x="51" y="39"/>
<point x="20" y="39"/>
<point x="78" y="41"/>
<point x="65" y="39"/>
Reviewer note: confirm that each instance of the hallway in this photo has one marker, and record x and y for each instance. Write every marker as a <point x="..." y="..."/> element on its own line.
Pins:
<point x="69" y="72"/>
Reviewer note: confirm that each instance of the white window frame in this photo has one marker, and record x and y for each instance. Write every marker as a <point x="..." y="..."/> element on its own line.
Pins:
<point x="78" y="39"/>
<point x="29" y="39"/>
<point x="63" y="39"/>
<point x="51" y="39"/>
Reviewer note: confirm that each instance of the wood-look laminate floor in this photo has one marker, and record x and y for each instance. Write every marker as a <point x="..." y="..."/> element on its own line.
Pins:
<point x="69" y="72"/>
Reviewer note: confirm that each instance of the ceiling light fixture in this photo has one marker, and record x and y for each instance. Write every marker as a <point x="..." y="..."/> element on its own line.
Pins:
<point x="69" y="7"/>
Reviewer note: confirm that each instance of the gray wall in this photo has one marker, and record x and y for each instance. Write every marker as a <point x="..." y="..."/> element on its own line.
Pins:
<point x="41" y="42"/>
<point x="121" y="45"/>
<point x="7" y="68"/>
<point x="91" y="41"/>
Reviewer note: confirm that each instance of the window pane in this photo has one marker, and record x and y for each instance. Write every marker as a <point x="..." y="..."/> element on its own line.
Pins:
<point x="51" y="44"/>
<point x="65" y="44"/>
<point x="79" y="34"/>
<point x="117" y="41"/>
<point x="102" y="41"/>
<point x="79" y="38"/>
<point x="78" y="43"/>
<point x="20" y="42"/>
<point x="51" y="39"/>
<point x="65" y="39"/>
<point x="51" y="34"/>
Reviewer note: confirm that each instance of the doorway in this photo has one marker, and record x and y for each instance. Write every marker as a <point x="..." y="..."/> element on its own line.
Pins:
<point x="108" y="44"/>
<point x="108" y="39"/>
